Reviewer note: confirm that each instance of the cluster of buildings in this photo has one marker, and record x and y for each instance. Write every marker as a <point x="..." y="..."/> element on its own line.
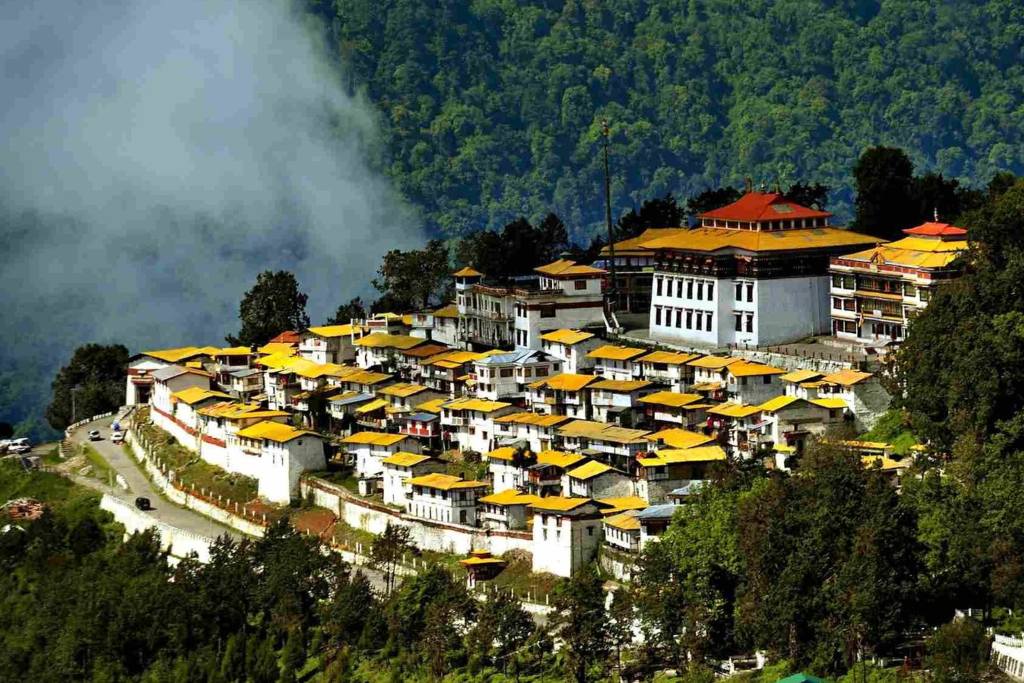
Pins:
<point x="587" y="442"/>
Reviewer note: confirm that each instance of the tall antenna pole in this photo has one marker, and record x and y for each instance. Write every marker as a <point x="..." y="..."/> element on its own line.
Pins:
<point x="613" y="290"/>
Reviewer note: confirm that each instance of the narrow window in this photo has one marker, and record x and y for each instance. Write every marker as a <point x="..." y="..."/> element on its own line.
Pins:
<point x="750" y="291"/>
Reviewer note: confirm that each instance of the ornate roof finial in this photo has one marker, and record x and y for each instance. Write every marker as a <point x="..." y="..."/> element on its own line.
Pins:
<point x="935" y="214"/>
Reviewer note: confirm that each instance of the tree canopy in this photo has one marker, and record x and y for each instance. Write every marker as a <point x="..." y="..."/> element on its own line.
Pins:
<point x="95" y="375"/>
<point x="275" y="304"/>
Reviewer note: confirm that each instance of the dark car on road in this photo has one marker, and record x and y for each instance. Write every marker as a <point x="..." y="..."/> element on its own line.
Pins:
<point x="143" y="503"/>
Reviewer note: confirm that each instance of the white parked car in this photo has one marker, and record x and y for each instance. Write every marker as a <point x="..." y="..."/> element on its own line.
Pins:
<point x="20" y="446"/>
<point x="117" y="437"/>
<point x="94" y="435"/>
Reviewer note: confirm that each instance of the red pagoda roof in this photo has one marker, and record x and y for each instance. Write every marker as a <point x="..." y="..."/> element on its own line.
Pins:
<point x="933" y="229"/>
<point x="288" y="337"/>
<point x="763" y="206"/>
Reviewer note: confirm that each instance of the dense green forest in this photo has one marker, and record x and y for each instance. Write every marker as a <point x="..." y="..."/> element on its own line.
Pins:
<point x="492" y="109"/>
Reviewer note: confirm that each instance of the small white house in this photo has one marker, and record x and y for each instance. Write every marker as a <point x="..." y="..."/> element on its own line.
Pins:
<point x="572" y="348"/>
<point x="671" y="409"/>
<point x="330" y="343"/>
<point x="566" y="534"/>
<point x="562" y="395"/>
<point x="752" y="383"/>
<point x="596" y="480"/>
<point x="506" y="509"/>
<point x="622" y="531"/>
<point x="616" y="400"/>
<point x="535" y="429"/>
<point x="617" y="362"/>
<point x="367" y="450"/>
<point x="402" y="467"/>
<point x="468" y="423"/>
<point x="286" y="453"/>
<point x="505" y="376"/>
<point x="446" y="498"/>
<point x="668" y="367"/>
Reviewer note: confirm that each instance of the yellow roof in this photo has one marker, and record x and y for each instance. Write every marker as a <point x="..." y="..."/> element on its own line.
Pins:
<point x="800" y="376"/>
<point x="590" y="470"/>
<point x="912" y="252"/>
<point x="671" y="399"/>
<point x="537" y="419"/>
<point x="176" y="355"/>
<point x="449" y="311"/>
<point x="566" y="268"/>
<point x="669" y="357"/>
<point x="679" y="438"/>
<point x="194" y="395"/>
<point x="626" y="385"/>
<point x="383" y="340"/>
<point x="273" y="431"/>
<point x="559" y="459"/>
<point x="715" y="239"/>
<point x="284" y="348"/>
<point x="403" y="390"/>
<point x="467" y="272"/>
<point x="567" y="336"/>
<point x="374" y="438"/>
<point x="233" y="411"/>
<point x="235" y="351"/>
<point x="779" y="402"/>
<point x="370" y="406"/>
<point x="830" y="403"/>
<point x="276" y="360"/>
<point x="477" y="404"/>
<point x="329" y="331"/>
<point x="733" y="410"/>
<point x="601" y="431"/>
<point x="707" y="386"/>
<point x="612" y="352"/>
<point x="431" y="406"/>
<point x="847" y="378"/>
<point x="620" y="503"/>
<point x="886" y="464"/>
<point x="365" y="377"/>
<point x="510" y="497"/>
<point x="873" y="445"/>
<point x="318" y="370"/>
<point x="747" y="369"/>
<point x="503" y="453"/>
<point x="560" y="503"/>
<point x="713" y="362"/>
<point x="634" y="246"/>
<point x="564" y="382"/>
<point x="626" y="521"/>
<point x="446" y="482"/>
<point x="404" y="459"/>
<point x="669" y="456"/>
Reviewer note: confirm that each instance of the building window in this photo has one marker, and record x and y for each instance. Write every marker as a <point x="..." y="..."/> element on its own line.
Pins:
<point x="689" y="289"/>
<point x="700" y="290"/>
<point x="679" y="317"/>
<point x="750" y="291"/>
<point x="711" y="291"/>
<point x="739" y="291"/>
<point x="590" y="531"/>
<point x="547" y="311"/>
<point x="506" y="372"/>
<point x="737" y="319"/>
<point x="542" y="372"/>
<point x="657" y="309"/>
<point x="707" y="321"/>
<point x="750" y="322"/>
<point x="679" y="289"/>
<point x="925" y="294"/>
<point x="689" y="320"/>
<point x="580" y="284"/>
<point x="657" y="285"/>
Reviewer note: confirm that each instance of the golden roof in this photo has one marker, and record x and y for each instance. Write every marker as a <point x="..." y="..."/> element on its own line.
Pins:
<point x="403" y="390"/>
<point x="669" y="456"/>
<point x="601" y="431"/>
<point x="477" y="404"/>
<point x="510" y="497"/>
<point x="679" y="438"/>
<point x="445" y="482"/>
<point x="884" y="463"/>
<point x="567" y="336"/>
<point x="559" y="504"/>
<point x="503" y="453"/>
<point x="635" y="246"/>
<point x="800" y="376"/>
<point x="748" y="369"/>
<point x="717" y="239"/>
<point x="779" y="402"/>
<point x="830" y="403"/>
<point x="371" y="406"/>
<point x="273" y="431"/>
<point x="330" y="331"/>
<point x="235" y="351"/>
<point x="194" y="395"/>
<point x="383" y="340"/>
<point x="566" y="268"/>
<point x="669" y="357"/>
<point x="284" y="348"/>
<point x="626" y="385"/>
<point x="449" y="311"/>
<point x="318" y="370"/>
<point x="559" y="459"/>
<point x="612" y="352"/>
<point x="626" y="521"/>
<point x="617" y="504"/>
<point x="590" y="470"/>
<point x="405" y="459"/>
<point x="180" y="354"/>
<point x="671" y="399"/>
<point x="733" y="410"/>
<point x="847" y="378"/>
<point x="713" y="362"/>
<point x="374" y="438"/>
<point x="467" y="272"/>
<point x="564" y="382"/>
<point x="432" y="406"/>
<point x="912" y="252"/>
<point x="537" y="419"/>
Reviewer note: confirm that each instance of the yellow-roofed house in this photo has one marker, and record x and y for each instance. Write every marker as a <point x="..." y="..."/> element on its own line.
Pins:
<point x="667" y="469"/>
<point x="506" y="509"/>
<point x="163" y="382"/>
<point x="789" y="420"/>
<point x="563" y="394"/>
<point x="366" y="451"/>
<point x="566" y="533"/>
<point x="673" y="409"/>
<point x="507" y="376"/>
<point x="402" y="467"/>
<point x="861" y="392"/>
<point x="276" y="454"/>
<point x="446" y="498"/>
<point x="219" y="422"/>
<point x="380" y="350"/>
<point x="468" y="423"/>
<point x="622" y="533"/>
<point x="617" y="362"/>
<point x="571" y="347"/>
<point x="754" y="272"/>
<point x="330" y="343"/>
<point x="618" y="400"/>
<point x="610" y="443"/>
<point x="877" y="290"/>
<point x="747" y="382"/>
<point x="670" y="368"/>
<point x="596" y="480"/>
<point x="537" y="430"/>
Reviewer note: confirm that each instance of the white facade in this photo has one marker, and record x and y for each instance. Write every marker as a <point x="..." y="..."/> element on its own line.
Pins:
<point x="398" y="472"/>
<point x="572" y="354"/>
<point x="506" y="376"/>
<point x="444" y="501"/>
<point x="367" y="449"/>
<point x="468" y="424"/>
<point x="284" y="463"/>
<point x="565" y="540"/>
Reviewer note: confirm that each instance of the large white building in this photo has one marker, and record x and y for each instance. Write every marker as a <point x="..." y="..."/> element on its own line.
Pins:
<point x="566" y="534"/>
<point x="754" y="272"/>
<point x="284" y="454"/>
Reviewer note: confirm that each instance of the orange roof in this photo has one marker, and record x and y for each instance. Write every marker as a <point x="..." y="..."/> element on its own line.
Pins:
<point x="713" y="362"/>
<point x="763" y="206"/>
<point x="847" y="377"/>
<point x="288" y="337"/>
<point x="612" y="352"/>
<point x="564" y="382"/>
<point x="935" y="229"/>
<point x="668" y="357"/>
<point x="634" y="246"/>
<point x="716" y="239"/>
<point x="566" y="268"/>
<point x="621" y="385"/>
<point x="748" y="369"/>
<point x="467" y="272"/>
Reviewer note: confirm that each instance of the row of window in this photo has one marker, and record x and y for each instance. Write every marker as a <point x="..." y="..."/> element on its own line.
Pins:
<point x="694" y="319"/>
<point x="701" y="290"/>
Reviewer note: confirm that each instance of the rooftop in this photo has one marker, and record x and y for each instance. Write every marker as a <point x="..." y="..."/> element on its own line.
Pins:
<point x="274" y="431"/>
<point x="763" y="206"/>
<point x="612" y="352"/>
<point x="564" y="268"/>
<point x="567" y="336"/>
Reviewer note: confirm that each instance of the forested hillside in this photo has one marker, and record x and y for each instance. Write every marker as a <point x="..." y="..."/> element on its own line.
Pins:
<point x="493" y="108"/>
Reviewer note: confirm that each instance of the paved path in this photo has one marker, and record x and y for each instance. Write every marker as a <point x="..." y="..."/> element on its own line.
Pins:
<point x="139" y="485"/>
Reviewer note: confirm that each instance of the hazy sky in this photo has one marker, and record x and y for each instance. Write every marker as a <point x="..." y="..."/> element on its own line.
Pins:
<point x="157" y="155"/>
